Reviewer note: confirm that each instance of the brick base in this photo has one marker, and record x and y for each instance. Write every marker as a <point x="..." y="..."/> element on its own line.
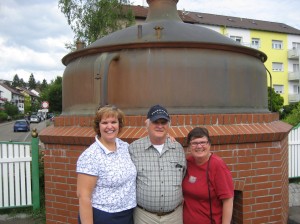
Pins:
<point x="254" y="146"/>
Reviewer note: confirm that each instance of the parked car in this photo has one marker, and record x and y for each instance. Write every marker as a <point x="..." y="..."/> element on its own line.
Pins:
<point x="35" y="119"/>
<point x="40" y="117"/>
<point x="21" y="125"/>
<point x="50" y="115"/>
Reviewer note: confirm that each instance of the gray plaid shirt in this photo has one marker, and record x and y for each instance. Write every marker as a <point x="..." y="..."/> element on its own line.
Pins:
<point x="159" y="176"/>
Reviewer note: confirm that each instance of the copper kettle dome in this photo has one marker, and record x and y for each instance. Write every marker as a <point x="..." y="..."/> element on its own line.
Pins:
<point x="187" y="68"/>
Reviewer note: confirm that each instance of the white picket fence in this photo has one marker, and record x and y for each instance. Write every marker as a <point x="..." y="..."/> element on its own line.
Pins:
<point x="15" y="175"/>
<point x="294" y="152"/>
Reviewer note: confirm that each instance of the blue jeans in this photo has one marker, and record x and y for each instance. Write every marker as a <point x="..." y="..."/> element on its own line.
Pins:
<point x="101" y="217"/>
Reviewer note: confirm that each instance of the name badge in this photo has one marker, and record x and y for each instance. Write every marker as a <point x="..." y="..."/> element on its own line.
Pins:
<point x="192" y="179"/>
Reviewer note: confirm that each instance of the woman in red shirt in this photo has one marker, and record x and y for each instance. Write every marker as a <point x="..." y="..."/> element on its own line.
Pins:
<point x="203" y="203"/>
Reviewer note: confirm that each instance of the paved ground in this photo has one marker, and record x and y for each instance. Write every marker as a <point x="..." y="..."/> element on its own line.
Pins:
<point x="294" y="218"/>
<point x="19" y="219"/>
<point x="294" y="203"/>
<point x="294" y="215"/>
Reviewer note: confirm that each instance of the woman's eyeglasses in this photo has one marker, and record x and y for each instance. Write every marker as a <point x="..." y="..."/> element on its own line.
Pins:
<point x="195" y="144"/>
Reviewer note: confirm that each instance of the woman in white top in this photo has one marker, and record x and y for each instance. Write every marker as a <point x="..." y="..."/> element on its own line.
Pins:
<point x="106" y="185"/>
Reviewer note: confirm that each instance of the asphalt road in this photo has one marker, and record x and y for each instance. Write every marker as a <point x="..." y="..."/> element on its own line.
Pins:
<point x="7" y="133"/>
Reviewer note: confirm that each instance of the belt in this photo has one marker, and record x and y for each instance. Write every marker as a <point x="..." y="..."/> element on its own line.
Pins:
<point x="158" y="213"/>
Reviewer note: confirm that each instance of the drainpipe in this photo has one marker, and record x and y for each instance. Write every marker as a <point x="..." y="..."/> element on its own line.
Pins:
<point x="271" y="88"/>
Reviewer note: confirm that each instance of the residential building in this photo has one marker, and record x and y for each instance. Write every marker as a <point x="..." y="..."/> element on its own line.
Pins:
<point x="2" y="99"/>
<point x="29" y="93"/>
<point x="280" y="42"/>
<point x="9" y="94"/>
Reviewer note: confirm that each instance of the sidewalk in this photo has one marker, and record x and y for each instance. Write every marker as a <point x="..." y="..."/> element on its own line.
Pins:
<point x="294" y="203"/>
<point x="294" y="215"/>
<point x="294" y="218"/>
<point x="19" y="219"/>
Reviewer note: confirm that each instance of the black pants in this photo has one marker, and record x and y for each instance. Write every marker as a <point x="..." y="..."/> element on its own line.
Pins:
<point x="101" y="217"/>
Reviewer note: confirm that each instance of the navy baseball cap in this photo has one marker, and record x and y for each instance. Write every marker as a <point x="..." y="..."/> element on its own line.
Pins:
<point x="158" y="112"/>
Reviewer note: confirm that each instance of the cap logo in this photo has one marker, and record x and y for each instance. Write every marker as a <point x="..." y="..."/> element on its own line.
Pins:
<point x="158" y="111"/>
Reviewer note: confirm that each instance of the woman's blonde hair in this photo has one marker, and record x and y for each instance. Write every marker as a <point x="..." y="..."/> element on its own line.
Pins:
<point x="108" y="111"/>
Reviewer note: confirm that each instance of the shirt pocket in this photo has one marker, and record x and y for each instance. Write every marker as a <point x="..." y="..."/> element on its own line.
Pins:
<point x="175" y="170"/>
<point x="147" y="175"/>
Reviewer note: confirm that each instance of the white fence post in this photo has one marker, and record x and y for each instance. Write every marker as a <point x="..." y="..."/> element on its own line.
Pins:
<point x="15" y="175"/>
<point x="294" y="152"/>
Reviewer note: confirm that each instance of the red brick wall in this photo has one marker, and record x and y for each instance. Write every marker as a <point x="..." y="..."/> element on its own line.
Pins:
<point x="254" y="146"/>
<point x="261" y="180"/>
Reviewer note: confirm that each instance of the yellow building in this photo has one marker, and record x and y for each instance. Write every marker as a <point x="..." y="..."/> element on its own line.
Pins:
<point x="280" y="42"/>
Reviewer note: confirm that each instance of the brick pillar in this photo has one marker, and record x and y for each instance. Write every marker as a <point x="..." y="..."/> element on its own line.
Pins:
<point x="254" y="146"/>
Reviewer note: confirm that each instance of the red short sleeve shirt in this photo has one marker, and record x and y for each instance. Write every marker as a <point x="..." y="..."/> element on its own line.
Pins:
<point x="195" y="190"/>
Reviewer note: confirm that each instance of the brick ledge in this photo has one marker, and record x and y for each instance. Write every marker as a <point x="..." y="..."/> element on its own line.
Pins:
<point x="177" y="120"/>
<point x="220" y="134"/>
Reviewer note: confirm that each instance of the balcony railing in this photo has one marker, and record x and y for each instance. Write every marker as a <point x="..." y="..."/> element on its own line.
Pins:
<point x="294" y="53"/>
<point x="294" y="76"/>
<point x="293" y="98"/>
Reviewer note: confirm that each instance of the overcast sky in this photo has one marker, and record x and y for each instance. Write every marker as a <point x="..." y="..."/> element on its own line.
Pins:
<point x="33" y="33"/>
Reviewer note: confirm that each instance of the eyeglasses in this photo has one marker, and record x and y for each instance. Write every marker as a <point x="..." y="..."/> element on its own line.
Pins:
<point x="194" y="144"/>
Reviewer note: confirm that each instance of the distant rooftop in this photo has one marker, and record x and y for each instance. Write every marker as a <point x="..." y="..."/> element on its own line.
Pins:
<point x="11" y="89"/>
<point x="226" y="21"/>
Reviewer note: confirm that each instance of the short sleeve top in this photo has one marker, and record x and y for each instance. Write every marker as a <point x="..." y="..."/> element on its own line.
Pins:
<point x="115" y="189"/>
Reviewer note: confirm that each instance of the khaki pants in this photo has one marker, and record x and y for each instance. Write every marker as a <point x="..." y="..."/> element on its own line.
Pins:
<point x="141" y="216"/>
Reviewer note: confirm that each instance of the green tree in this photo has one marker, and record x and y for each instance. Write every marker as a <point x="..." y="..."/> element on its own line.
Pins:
<point x="35" y="106"/>
<point x="53" y="94"/>
<point x="44" y="96"/>
<point x="31" y="82"/>
<point x="16" y="81"/>
<point x="27" y="104"/>
<point x="44" y="85"/>
<point x="22" y="83"/>
<point x="275" y="100"/>
<point x="11" y="109"/>
<point x="93" y="19"/>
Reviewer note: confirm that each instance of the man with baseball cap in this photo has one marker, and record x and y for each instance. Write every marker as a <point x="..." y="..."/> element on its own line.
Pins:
<point x="160" y="165"/>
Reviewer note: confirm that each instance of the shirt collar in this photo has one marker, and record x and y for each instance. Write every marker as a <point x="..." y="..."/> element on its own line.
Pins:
<point x="167" y="145"/>
<point x="106" y="151"/>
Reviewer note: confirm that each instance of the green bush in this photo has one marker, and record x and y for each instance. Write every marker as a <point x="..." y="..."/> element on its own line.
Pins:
<point x="11" y="109"/>
<point x="293" y="118"/>
<point x="287" y="110"/>
<point x="3" y="116"/>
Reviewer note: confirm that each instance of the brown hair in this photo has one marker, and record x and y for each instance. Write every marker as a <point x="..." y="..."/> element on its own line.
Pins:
<point x="198" y="133"/>
<point x="108" y="111"/>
